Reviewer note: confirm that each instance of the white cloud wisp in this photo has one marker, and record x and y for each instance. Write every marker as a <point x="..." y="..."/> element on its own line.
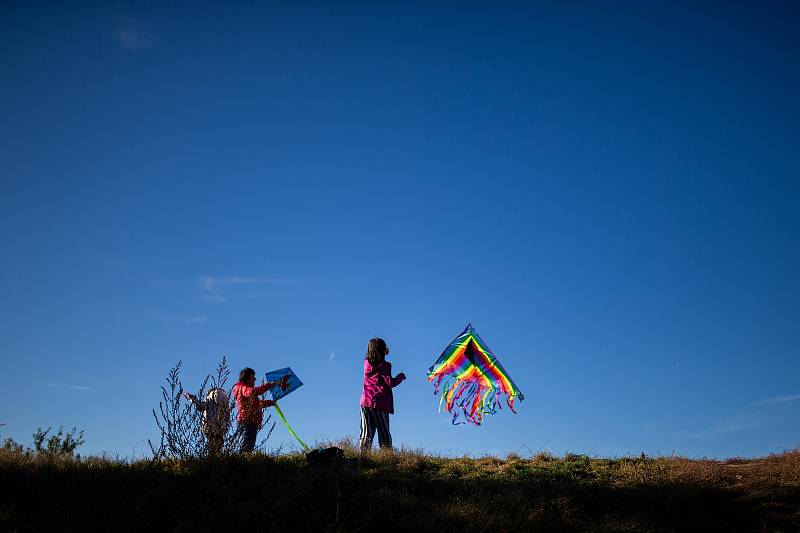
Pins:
<point x="778" y="399"/>
<point x="213" y="286"/>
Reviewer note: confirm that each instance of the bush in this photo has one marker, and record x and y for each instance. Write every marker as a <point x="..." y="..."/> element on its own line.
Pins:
<point x="12" y="446"/>
<point x="58" y="444"/>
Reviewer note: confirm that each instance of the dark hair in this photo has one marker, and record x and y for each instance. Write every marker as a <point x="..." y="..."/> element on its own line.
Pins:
<point x="246" y="373"/>
<point x="376" y="351"/>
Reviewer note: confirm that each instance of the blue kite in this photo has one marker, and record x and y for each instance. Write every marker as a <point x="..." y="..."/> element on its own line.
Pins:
<point x="291" y="383"/>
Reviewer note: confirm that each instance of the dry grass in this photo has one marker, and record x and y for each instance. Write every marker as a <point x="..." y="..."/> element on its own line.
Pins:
<point x="404" y="490"/>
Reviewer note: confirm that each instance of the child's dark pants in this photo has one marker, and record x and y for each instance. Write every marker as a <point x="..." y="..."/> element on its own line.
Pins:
<point x="249" y="431"/>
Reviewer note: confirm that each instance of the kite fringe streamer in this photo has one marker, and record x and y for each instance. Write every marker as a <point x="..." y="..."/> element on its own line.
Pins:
<point x="470" y="399"/>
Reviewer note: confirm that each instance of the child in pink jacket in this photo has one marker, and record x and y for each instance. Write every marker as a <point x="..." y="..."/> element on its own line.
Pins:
<point x="377" y="402"/>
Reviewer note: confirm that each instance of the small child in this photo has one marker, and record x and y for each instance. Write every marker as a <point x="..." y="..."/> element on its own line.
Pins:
<point x="377" y="402"/>
<point x="249" y="407"/>
<point x="215" y="417"/>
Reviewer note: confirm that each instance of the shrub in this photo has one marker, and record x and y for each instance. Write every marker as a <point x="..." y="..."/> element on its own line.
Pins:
<point x="59" y="444"/>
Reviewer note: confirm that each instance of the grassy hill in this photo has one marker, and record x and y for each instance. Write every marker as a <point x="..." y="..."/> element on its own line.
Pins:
<point x="400" y="491"/>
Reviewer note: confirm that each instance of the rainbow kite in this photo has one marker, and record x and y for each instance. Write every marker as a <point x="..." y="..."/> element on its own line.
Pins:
<point x="471" y="379"/>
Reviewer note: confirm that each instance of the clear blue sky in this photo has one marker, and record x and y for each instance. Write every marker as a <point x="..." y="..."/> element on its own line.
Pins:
<point x="609" y="194"/>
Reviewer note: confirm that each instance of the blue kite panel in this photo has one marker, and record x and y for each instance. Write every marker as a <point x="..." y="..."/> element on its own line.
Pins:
<point x="292" y="382"/>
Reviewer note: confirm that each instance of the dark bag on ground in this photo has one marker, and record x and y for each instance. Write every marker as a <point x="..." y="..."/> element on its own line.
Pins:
<point x="325" y="456"/>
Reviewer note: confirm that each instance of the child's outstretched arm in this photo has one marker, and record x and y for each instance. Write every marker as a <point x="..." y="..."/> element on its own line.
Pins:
<point x="200" y="406"/>
<point x="385" y="371"/>
<point x="283" y="383"/>
<point x="397" y="380"/>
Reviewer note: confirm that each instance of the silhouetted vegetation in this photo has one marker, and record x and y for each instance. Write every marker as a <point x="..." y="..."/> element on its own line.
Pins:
<point x="59" y="444"/>
<point x="404" y="490"/>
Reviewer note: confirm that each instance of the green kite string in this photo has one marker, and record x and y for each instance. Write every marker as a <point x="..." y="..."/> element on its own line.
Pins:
<point x="280" y="414"/>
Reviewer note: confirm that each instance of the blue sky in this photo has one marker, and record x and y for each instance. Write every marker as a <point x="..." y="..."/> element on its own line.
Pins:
<point x="608" y="193"/>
